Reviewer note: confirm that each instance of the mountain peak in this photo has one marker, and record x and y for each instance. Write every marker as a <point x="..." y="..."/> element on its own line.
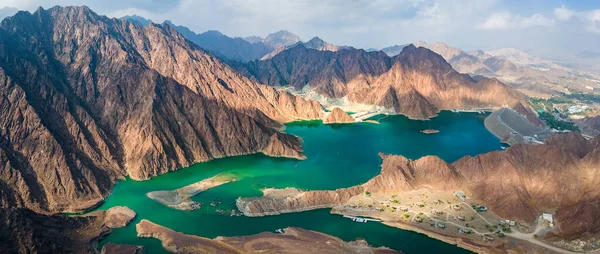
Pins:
<point x="316" y="39"/>
<point x="281" y="38"/>
<point x="141" y="20"/>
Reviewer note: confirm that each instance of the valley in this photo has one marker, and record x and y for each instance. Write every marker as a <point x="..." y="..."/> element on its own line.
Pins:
<point x="121" y="135"/>
<point x="353" y="163"/>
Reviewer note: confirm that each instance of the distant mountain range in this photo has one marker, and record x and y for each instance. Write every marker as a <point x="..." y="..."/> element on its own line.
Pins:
<point x="242" y="49"/>
<point x="532" y="75"/>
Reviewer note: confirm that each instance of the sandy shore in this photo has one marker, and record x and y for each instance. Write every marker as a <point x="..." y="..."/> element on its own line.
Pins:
<point x="180" y="199"/>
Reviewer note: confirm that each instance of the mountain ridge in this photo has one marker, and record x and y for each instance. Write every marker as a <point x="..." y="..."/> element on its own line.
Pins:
<point x="91" y="100"/>
<point x="417" y="83"/>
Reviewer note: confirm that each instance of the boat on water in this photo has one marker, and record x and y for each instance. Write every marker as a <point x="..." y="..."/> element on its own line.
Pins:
<point x="359" y="219"/>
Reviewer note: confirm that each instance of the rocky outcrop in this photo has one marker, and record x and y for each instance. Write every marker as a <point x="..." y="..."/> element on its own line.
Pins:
<point x="118" y="216"/>
<point x="292" y="240"/>
<point x="589" y="125"/>
<point x="291" y="200"/>
<point x="24" y="231"/>
<point x="111" y="248"/>
<point x="518" y="183"/>
<point x="180" y="199"/>
<point x="87" y="100"/>
<point x="337" y="115"/>
<point x="417" y="82"/>
<point x="281" y="145"/>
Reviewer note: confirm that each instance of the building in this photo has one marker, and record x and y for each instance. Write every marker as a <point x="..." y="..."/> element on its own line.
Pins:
<point x="461" y="218"/>
<point x="465" y="230"/>
<point x="481" y="208"/>
<point x="460" y="194"/>
<point x="547" y="217"/>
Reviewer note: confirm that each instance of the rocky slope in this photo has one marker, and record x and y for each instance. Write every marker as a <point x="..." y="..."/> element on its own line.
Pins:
<point x="281" y="38"/>
<point x="417" y="83"/>
<point x="337" y="115"/>
<point x="87" y="100"/>
<point x="292" y="240"/>
<point x="518" y="184"/>
<point x="314" y="43"/>
<point x="24" y="231"/>
<point x="589" y="125"/>
<point x="533" y="76"/>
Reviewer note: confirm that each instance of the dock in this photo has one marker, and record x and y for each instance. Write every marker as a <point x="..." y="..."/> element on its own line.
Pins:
<point x="360" y="219"/>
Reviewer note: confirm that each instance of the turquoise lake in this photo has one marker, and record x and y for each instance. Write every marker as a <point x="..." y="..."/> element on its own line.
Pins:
<point x="338" y="156"/>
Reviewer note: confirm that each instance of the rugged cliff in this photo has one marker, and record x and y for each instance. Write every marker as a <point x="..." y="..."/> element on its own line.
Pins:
<point x="417" y="82"/>
<point x="87" y="100"/>
<point x="518" y="184"/>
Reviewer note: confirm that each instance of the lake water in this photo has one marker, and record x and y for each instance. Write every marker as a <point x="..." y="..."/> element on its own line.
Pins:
<point x="338" y="156"/>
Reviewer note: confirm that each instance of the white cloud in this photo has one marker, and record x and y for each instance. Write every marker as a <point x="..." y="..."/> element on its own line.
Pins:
<point x="592" y="20"/>
<point x="506" y="20"/>
<point x="563" y="13"/>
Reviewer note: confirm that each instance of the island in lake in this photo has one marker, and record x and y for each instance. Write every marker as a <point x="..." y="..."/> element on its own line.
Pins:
<point x="430" y="131"/>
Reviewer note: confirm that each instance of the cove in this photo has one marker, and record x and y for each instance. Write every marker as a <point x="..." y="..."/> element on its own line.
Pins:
<point x="337" y="156"/>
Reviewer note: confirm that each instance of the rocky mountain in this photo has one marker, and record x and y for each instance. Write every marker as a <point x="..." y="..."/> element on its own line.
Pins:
<point x="290" y="240"/>
<point x="281" y="38"/>
<point x="518" y="183"/>
<point x="221" y="45"/>
<point x="519" y="57"/>
<point x="87" y="100"/>
<point x="392" y="50"/>
<point x="253" y="39"/>
<point x="24" y="231"/>
<point x="137" y="19"/>
<point x="417" y="83"/>
<point x="533" y="76"/>
<point x="589" y="125"/>
<point x="314" y="43"/>
<point x="319" y="44"/>
<point x="337" y="115"/>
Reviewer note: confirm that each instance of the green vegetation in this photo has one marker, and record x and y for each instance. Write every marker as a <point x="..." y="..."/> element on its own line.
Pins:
<point x="508" y="230"/>
<point x="558" y="124"/>
<point x="421" y="205"/>
<point x="406" y="215"/>
<point x="368" y="193"/>
<point x="584" y="97"/>
<point x="396" y="201"/>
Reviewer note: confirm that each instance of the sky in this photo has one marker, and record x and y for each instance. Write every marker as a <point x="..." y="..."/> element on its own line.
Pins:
<point x="547" y="28"/>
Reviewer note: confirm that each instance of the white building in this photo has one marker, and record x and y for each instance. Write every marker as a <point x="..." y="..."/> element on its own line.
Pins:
<point x="547" y="217"/>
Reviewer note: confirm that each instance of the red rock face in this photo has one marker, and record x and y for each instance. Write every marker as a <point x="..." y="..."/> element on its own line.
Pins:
<point x="417" y="83"/>
<point x="518" y="184"/>
<point x="86" y="100"/>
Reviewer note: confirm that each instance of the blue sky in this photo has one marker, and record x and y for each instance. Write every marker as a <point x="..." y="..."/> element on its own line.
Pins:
<point x="548" y="28"/>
